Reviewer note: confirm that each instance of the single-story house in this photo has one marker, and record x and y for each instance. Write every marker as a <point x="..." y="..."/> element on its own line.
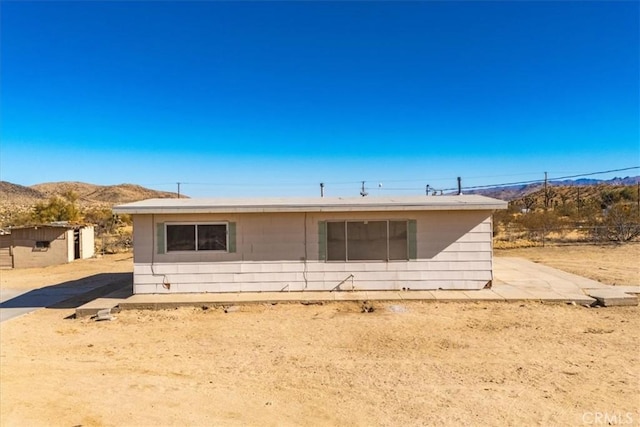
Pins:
<point x="49" y="244"/>
<point x="305" y="244"/>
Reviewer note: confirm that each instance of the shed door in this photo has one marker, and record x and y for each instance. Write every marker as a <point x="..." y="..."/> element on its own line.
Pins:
<point x="76" y="244"/>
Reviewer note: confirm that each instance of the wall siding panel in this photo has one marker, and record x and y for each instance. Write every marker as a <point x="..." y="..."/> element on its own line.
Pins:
<point x="452" y="249"/>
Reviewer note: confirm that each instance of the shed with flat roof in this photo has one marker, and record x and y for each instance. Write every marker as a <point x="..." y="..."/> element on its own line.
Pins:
<point x="46" y="244"/>
<point x="299" y="244"/>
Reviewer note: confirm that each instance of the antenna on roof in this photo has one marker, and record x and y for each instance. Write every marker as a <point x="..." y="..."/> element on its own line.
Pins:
<point x="363" y="192"/>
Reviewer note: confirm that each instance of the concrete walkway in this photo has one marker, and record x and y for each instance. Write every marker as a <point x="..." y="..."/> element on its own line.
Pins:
<point x="72" y="294"/>
<point x="516" y="279"/>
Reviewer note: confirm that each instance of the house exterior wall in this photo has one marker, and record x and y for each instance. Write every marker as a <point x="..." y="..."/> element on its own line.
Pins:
<point x="281" y="252"/>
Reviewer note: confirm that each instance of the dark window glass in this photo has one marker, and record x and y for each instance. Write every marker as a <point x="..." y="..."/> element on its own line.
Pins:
<point x="336" y="247"/>
<point x="181" y="238"/>
<point x="367" y="241"/>
<point x="43" y="244"/>
<point x="212" y="237"/>
<point x="398" y="240"/>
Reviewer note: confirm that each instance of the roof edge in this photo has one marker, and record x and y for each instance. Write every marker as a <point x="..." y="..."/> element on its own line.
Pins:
<point x="425" y="203"/>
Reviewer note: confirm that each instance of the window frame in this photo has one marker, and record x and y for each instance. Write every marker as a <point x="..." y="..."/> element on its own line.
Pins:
<point x="196" y="224"/>
<point x="346" y="240"/>
<point x="42" y="245"/>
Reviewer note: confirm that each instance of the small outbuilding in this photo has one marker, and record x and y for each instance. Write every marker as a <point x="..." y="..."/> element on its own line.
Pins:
<point x="312" y="244"/>
<point x="48" y="244"/>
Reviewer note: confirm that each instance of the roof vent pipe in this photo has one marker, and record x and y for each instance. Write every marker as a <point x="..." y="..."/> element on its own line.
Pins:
<point x="459" y="186"/>
<point x="363" y="192"/>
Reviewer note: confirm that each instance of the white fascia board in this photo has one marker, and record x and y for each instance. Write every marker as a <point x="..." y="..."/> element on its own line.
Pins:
<point x="199" y="206"/>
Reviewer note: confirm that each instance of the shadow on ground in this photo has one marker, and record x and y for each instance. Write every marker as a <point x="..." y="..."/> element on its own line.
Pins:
<point x="74" y="293"/>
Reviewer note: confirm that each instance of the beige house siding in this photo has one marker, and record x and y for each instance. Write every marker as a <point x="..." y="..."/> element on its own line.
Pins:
<point x="280" y="251"/>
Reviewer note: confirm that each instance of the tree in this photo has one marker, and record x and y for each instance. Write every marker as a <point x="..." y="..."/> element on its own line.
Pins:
<point x="549" y="194"/>
<point x="529" y="202"/>
<point x="621" y="223"/>
<point x="56" y="209"/>
<point x="103" y="218"/>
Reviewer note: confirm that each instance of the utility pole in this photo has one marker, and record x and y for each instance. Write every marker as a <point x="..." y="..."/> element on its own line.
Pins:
<point x="427" y="189"/>
<point x="322" y="189"/>
<point x="178" y="189"/>
<point x="546" y="195"/>
<point x="459" y="186"/>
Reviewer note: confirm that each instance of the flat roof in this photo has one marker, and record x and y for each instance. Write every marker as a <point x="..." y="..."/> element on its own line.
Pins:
<point x="52" y="225"/>
<point x="313" y="204"/>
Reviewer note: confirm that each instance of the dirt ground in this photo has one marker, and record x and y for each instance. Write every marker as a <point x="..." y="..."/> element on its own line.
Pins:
<point x="31" y="278"/>
<point x="611" y="264"/>
<point x="417" y="363"/>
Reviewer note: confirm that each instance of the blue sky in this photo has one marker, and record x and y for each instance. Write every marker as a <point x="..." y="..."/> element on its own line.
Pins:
<point x="272" y="98"/>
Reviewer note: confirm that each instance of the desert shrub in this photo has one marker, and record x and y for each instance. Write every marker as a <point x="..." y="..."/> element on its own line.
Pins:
<point x="629" y="194"/>
<point x="501" y="220"/>
<point x="119" y="241"/>
<point x="113" y="232"/>
<point x="539" y="224"/>
<point x="621" y="223"/>
<point x="103" y="218"/>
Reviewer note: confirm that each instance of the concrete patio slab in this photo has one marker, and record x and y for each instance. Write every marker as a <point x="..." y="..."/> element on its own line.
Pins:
<point x="635" y="290"/>
<point x="613" y="297"/>
<point x="483" y="295"/>
<point x="337" y="296"/>
<point x="418" y="295"/>
<point x="510" y="293"/>
<point x="522" y="272"/>
<point x="450" y="296"/>
<point x="387" y="295"/>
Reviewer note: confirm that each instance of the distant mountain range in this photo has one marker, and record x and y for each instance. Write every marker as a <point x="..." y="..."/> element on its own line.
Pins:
<point x="91" y="194"/>
<point x="514" y="192"/>
<point x="88" y="194"/>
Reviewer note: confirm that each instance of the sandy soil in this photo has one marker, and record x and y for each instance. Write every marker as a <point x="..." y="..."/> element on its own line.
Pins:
<point x="31" y="278"/>
<point x="418" y="363"/>
<point x="452" y="364"/>
<point x="612" y="264"/>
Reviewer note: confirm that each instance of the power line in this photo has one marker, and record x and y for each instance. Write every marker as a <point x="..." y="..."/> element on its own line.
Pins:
<point x="407" y="188"/>
<point x="506" y="184"/>
<point x="550" y="179"/>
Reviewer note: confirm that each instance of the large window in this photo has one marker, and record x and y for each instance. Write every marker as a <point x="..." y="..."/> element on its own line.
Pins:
<point x="367" y="240"/>
<point x="196" y="237"/>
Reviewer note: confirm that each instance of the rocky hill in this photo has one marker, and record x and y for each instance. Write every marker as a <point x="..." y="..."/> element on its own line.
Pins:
<point x="16" y="201"/>
<point x="87" y="194"/>
<point x="588" y="188"/>
<point x="14" y="194"/>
